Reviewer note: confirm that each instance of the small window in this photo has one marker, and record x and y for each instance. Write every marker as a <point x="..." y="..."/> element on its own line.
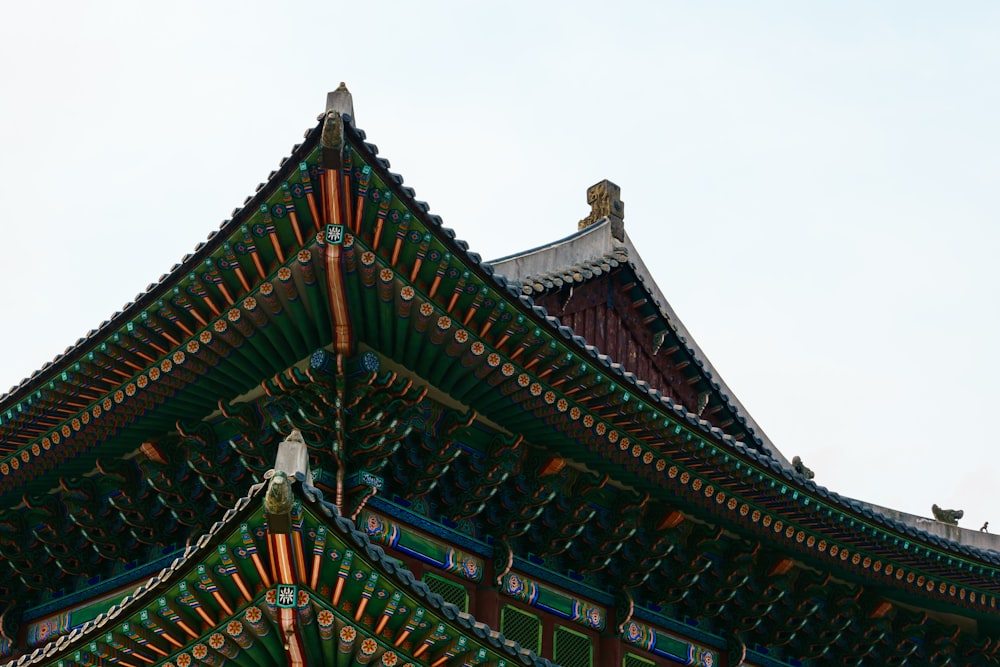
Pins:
<point x="449" y="590"/>
<point x="571" y="649"/>
<point x="521" y="627"/>
<point x="633" y="660"/>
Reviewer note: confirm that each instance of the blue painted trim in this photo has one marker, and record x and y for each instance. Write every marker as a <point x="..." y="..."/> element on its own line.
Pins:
<point x="561" y="581"/>
<point x="438" y="530"/>
<point x="130" y="577"/>
<point x="678" y="628"/>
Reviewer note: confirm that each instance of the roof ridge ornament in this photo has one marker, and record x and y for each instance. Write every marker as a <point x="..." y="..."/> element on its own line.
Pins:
<point x="340" y="100"/>
<point x="293" y="457"/>
<point x="605" y="199"/>
<point x="339" y="112"/>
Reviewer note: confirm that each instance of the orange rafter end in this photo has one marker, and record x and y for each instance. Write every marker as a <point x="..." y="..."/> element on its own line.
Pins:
<point x="242" y="586"/>
<point x="260" y="570"/>
<point x="222" y="603"/>
<point x="260" y="267"/>
<point x="276" y="244"/>
<point x="402" y="638"/>
<point x="420" y="650"/>
<point x="184" y="626"/>
<point x="357" y="214"/>
<point x="381" y="624"/>
<point x="204" y="615"/>
<point x="335" y="192"/>
<point x="312" y="209"/>
<point x="345" y="188"/>
<point x="242" y="278"/>
<point x="156" y="649"/>
<point x="337" y="591"/>
<point x="361" y="609"/>
<point x="299" y="554"/>
<point x="314" y="578"/>
<point x="295" y="228"/>
<point x="226" y="294"/>
<point x="416" y="269"/>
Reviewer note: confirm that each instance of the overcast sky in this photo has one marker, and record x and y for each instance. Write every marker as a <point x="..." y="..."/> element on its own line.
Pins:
<point x="813" y="185"/>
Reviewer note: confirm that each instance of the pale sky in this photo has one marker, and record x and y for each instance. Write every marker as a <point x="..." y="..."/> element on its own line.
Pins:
<point x="813" y="185"/>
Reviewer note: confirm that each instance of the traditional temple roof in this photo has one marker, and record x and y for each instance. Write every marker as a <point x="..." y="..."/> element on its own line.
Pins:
<point x="489" y="413"/>
<point x="224" y="599"/>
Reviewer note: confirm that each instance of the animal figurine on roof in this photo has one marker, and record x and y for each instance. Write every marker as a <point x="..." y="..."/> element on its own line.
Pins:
<point x="949" y="517"/>
<point x="801" y="468"/>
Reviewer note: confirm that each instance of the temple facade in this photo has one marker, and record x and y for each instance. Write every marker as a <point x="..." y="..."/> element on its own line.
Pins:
<point x="333" y="435"/>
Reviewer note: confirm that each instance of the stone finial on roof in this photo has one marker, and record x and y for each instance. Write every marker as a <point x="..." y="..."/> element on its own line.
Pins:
<point x="341" y="101"/>
<point x="605" y="199"/>
<point x="338" y="103"/>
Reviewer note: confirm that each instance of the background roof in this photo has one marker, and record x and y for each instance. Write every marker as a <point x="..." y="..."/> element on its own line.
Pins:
<point x="814" y="188"/>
